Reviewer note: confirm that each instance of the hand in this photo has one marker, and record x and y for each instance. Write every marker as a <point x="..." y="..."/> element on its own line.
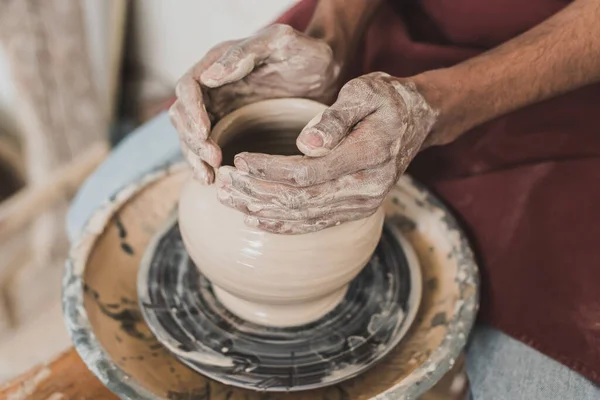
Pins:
<point x="276" y="62"/>
<point x="355" y="152"/>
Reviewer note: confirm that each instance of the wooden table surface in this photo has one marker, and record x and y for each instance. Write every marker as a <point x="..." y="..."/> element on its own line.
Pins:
<point x="67" y="377"/>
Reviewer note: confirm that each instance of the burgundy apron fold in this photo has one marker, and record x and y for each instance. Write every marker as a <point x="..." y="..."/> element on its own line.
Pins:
<point x="527" y="185"/>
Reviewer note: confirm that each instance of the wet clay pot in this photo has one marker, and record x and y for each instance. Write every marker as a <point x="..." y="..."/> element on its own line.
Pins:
<point x="269" y="279"/>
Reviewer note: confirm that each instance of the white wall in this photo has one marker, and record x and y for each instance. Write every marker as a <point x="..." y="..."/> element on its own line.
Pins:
<point x="172" y="35"/>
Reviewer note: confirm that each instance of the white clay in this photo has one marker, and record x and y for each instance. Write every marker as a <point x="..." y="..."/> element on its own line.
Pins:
<point x="269" y="279"/>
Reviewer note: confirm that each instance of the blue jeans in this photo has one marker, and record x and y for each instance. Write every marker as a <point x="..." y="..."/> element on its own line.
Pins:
<point x="499" y="367"/>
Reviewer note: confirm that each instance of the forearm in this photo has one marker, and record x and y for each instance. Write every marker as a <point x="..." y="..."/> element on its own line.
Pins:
<point x="342" y="23"/>
<point x="557" y="56"/>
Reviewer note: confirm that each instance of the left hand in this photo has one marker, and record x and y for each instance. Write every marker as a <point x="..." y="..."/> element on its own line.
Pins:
<point x="277" y="61"/>
<point x="355" y="151"/>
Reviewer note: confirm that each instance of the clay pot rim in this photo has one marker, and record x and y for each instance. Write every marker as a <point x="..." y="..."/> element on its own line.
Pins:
<point x="247" y="110"/>
<point x="115" y="379"/>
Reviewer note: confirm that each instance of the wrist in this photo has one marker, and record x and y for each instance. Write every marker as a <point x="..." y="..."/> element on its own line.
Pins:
<point x="341" y="24"/>
<point x="444" y="93"/>
<point x="336" y="38"/>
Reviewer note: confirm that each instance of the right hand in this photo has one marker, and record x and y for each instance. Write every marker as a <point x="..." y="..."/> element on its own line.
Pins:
<point x="367" y="138"/>
<point x="276" y="62"/>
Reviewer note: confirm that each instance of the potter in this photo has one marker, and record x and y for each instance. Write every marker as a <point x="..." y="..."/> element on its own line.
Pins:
<point x="266" y="278"/>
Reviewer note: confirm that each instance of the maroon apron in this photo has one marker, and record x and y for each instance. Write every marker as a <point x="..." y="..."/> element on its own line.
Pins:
<point x="526" y="186"/>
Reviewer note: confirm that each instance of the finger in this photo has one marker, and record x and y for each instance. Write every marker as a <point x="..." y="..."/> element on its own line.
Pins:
<point x="184" y="126"/>
<point x="306" y="226"/>
<point x="369" y="184"/>
<point x="324" y="132"/>
<point x="239" y="201"/>
<point x="242" y="58"/>
<point x="179" y="119"/>
<point x="181" y="122"/>
<point x="203" y="172"/>
<point x="235" y="64"/>
<point x="191" y="104"/>
<point x="189" y="90"/>
<point x="211" y="153"/>
<point x="250" y="206"/>
<point x="356" y="153"/>
<point x="282" y="195"/>
<point x="207" y="150"/>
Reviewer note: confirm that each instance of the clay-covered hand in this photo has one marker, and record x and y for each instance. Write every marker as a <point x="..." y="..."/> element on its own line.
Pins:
<point x="278" y="61"/>
<point x="355" y="152"/>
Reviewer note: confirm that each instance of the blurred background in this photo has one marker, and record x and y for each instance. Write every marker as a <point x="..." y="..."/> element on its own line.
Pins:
<point x="76" y="76"/>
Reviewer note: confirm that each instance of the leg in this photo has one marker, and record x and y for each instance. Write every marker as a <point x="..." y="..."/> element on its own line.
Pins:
<point x="502" y="368"/>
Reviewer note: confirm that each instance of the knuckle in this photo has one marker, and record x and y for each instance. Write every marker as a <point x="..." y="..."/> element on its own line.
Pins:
<point x="356" y="87"/>
<point x="292" y="200"/>
<point x="349" y="88"/>
<point x="234" y="53"/>
<point x="334" y="118"/>
<point x="332" y="127"/>
<point x="302" y="176"/>
<point x="374" y="203"/>
<point x="183" y="83"/>
<point x="360" y="82"/>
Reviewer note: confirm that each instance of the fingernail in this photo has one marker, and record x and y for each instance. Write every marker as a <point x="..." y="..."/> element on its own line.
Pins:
<point x="213" y="74"/>
<point x="224" y="176"/>
<point x="312" y="139"/>
<point x="253" y="207"/>
<point x="252" y="221"/>
<point x="241" y="164"/>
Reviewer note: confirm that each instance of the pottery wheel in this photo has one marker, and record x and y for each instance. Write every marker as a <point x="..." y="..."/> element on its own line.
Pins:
<point x="181" y="310"/>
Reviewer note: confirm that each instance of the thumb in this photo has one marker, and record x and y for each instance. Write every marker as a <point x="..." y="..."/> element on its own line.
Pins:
<point x="325" y="131"/>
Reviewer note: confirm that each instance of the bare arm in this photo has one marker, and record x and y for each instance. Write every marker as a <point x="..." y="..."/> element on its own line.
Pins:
<point x="342" y="23"/>
<point x="557" y="56"/>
